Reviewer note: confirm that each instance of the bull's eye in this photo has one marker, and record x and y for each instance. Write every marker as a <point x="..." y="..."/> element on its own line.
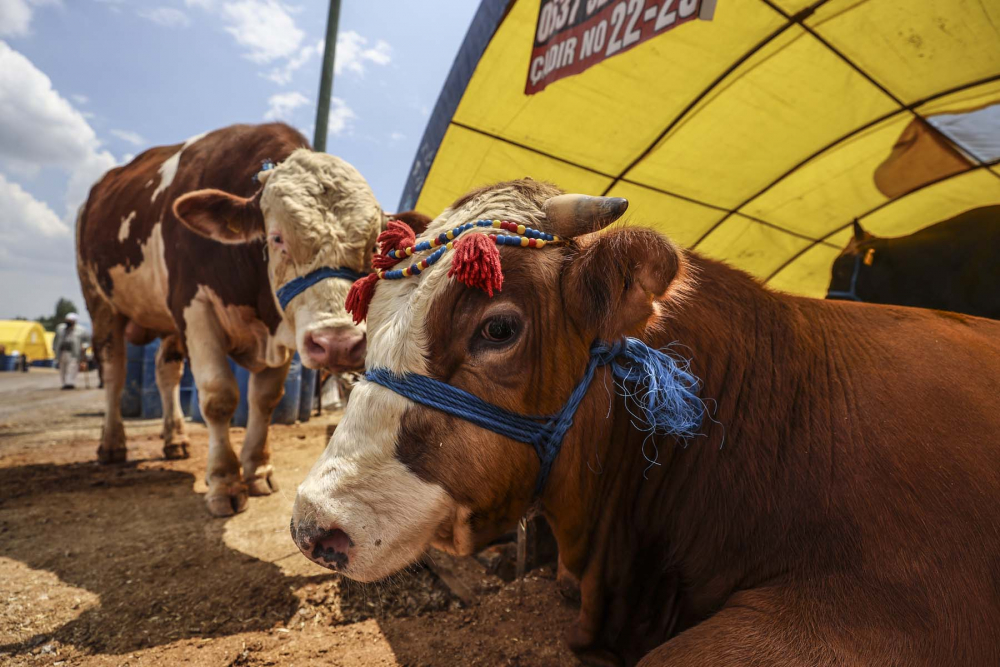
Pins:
<point x="277" y="241"/>
<point x="499" y="329"/>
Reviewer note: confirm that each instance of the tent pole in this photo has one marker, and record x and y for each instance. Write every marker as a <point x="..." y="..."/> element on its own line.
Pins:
<point x="326" y="78"/>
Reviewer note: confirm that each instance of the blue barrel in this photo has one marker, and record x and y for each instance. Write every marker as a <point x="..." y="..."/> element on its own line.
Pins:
<point x="131" y="402"/>
<point x="187" y="389"/>
<point x="152" y="406"/>
<point x="288" y="409"/>
<point x="8" y="362"/>
<point x="307" y="394"/>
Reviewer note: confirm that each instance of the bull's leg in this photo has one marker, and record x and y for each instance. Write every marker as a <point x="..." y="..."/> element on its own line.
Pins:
<point x="770" y="627"/>
<point x="266" y="389"/>
<point x="169" y="367"/>
<point x="109" y="337"/>
<point x="218" y="395"/>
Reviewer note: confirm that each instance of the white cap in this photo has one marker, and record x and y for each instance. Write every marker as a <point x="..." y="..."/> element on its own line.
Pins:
<point x="71" y="317"/>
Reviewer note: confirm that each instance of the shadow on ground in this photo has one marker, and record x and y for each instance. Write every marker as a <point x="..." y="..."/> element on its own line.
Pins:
<point x="136" y="536"/>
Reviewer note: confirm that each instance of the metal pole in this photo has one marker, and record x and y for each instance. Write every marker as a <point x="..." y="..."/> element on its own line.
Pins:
<point x="326" y="78"/>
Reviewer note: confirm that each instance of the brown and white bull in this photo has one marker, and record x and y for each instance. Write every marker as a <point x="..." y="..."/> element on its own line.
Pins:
<point x="839" y="507"/>
<point x="208" y="285"/>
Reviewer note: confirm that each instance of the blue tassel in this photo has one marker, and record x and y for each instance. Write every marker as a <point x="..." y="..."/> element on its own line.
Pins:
<point x="663" y="388"/>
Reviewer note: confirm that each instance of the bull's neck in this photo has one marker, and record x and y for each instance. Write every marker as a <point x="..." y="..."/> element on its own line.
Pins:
<point x="632" y="529"/>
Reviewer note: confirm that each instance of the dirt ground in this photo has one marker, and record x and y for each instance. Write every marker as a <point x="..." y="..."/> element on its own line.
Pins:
<point x="121" y="565"/>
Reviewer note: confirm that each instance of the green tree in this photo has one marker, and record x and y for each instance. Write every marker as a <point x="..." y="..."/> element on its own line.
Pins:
<point x="63" y="308"/>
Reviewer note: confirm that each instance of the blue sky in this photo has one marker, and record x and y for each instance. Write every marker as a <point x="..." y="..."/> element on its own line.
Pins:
<point x="87" y="84"/>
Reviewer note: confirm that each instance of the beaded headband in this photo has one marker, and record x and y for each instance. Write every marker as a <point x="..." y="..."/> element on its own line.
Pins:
<point x="476" y="262"/>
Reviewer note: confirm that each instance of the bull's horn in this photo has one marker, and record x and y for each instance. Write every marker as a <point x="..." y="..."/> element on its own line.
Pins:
<point x="575" y="215"/>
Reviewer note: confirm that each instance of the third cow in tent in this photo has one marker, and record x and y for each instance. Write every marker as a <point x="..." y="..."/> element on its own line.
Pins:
<point x="951" y="265"/>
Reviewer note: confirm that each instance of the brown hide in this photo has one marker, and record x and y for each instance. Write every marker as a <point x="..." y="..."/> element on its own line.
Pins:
<point x="225" y="159"/>
<point x="839" y="508"/>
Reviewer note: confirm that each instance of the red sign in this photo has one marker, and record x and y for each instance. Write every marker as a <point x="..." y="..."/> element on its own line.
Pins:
<point x="573" y="35"/>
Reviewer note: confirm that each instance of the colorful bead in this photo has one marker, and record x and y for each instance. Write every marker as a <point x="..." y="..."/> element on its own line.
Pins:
<point x="523" y="236"/>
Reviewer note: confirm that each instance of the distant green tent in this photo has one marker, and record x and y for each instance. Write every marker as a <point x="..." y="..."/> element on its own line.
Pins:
<point x="755" y="137"/>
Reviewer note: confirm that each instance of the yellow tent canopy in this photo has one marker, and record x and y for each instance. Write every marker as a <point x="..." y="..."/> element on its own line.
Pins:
<point x="26" y="338"/>
<point x="755" y="137"/>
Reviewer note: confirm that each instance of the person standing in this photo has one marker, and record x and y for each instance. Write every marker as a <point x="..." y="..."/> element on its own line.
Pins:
<point x="68" y="344"/>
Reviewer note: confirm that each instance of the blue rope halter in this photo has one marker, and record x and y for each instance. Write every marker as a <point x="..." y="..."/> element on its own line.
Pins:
<point x="663" y="387"/>
<point x="297" y="286"/>
<point x="852" y="293"/>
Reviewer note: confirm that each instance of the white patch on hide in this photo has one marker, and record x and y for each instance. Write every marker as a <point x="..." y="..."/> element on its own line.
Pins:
<point x="125" y="227"/>
<point x="359" y="486"/>
<point x="140" y="291"/>
<point x="168" y="170"/>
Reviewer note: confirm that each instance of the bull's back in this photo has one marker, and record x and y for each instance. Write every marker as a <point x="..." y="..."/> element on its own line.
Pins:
<point x="141" y="258"/>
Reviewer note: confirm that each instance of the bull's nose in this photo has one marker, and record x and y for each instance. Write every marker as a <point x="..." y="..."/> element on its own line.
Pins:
<point x="330" y="548"/>
<point x="336" y="349"/>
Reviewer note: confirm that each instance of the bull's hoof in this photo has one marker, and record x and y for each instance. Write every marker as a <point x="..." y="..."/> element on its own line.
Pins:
<point x="175" y="450"/>
<point x="109" y="456"/>
<point x="262" y="483"/>
<point x="224" y="505"/>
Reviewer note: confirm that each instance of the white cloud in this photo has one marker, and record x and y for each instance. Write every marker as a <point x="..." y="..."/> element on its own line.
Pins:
<point x="352" y="56"/>
<point x="80" y="99"/>
<point x="36" y="254"/>
<point x="207" y="5"/>
<point x="341" y="116"/>
<point x="281" y="106"/>
<point x="128" y="157"/>
<point x="23" y="215"/>
<point x="168" y="17"/>
<point x="397" y="136"/>
<point x="83" y="177"/>
<point x="40" y="128"/>
<point x="352" y="53"/>
<point x="283" y="75"/>
<point x="133" y="138"/>
<point x="15" y="16"/>
<point x="264" y="27"/>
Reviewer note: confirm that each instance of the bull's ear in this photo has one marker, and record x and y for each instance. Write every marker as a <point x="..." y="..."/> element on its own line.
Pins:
<point x="416" y="221"/>
<point x="610" y="286"/>
<point x="221" y="216"/>
<point x="859" y="232"/>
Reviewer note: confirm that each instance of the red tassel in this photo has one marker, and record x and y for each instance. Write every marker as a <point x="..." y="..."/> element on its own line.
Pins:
<point x="360" y="297"/>
<point x="397" y="235"/>
<point x="477" y="263"/>
<point x="382" y="261"/>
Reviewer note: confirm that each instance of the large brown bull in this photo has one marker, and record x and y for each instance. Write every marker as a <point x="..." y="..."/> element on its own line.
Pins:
<point x="837" y="505"/>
